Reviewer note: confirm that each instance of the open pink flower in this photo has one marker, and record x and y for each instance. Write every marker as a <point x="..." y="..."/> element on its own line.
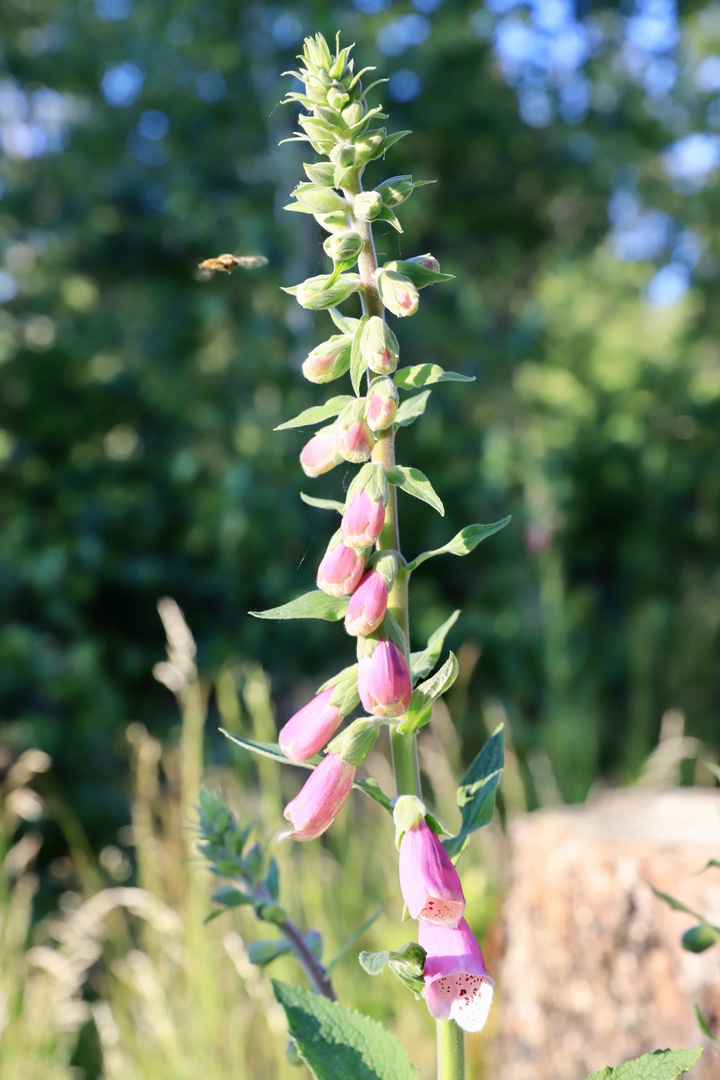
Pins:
<point x="363" y="520"/>
<point x="340" y="570"/>
<point x="429" y="882"/>
<point x="307" y="731"/>
<point x="367" y="606"/>
<point x="320" y="800"/>
<point x="457" y="985"/>
<point x="384" y="680"/>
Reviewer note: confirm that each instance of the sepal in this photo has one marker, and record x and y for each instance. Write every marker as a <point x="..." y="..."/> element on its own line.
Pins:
<point x="355" y="743"/>
<point x="422" y="270"/>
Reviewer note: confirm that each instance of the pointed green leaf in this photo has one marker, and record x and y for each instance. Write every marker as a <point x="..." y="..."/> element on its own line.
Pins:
<point x="476" y="792"/>
<point x="386" y="214"/>
<point x="322" y="172"/>
<point x="347" y="945"/>
<point x="373" y="963"/>
<point x="411" y="409"/>
<point x="344" y="323"/>
<point x="338" y="268"/>
<point x="230" y="897"/>
<point x="706" y="1030"/>
<point x="263" y="953"/>
<point x="422" y="698"/>
<point x="297" y="207"/>
<point x="271" y="750"/>
<point x="357" y="364"/>
<point x="335" y="1042"/>
<point x="313" y="605"/>
<point x="660" y="1065"/>
<point x="417" y="484"/>
<point x="319" y="200"/>
<point x="317" y="413"/>
<point x="421" y="663"/>
<point x="461" y="544"/>
<point x="424" y="374"/>
<point x="395" y="137"/>
<point x="322" y="504"/>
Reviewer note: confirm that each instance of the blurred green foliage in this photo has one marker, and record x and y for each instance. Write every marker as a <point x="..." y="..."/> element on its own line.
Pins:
<point x="138" y="401"/>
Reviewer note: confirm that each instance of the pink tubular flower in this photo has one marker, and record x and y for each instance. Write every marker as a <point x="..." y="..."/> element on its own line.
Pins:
<point x="320" y="799"/>
<point x="457" y="985"/>
<point x="362" y="521"/>
<point x="384" y="680"/>
<point x="320" y="454"/>
<point x="310" y="728"/>
<point x="366" y="609"/>
<point x="429" y="882"/>
<point x="340" y="570"/>
<point x="355" y="442"/>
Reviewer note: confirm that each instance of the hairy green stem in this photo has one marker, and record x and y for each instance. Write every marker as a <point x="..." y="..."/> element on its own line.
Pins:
<point x="450" y="1051"/>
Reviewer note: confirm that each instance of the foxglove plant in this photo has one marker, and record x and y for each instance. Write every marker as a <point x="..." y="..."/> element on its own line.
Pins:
<point x="363" y="578"/>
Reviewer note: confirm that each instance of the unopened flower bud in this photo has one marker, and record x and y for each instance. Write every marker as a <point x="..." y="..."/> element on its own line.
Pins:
<point x="429" y="882"/>
<point x="343" y="154"/>
<point x="397" y="293"/>
<point x="382" y="404"/>
<point x="422" y="270"/>
<point x="352" y="114"/>
<point x="367" y="205"/>
<point x="329" y="360"/>
<point x="354" y="744"/>
<point x="320" y="454"/>
<point x="395" y="190"/>
<point x="320" y="800"/>
<point x="345" y="246"/>
<point x="363" y="520"/>
<point x="333" y="223"/>
<point x="367" y="606"/>
<point x="384" y="680"/>
<point x="315" y="294"/>
<point x="337" y="99"/>
<point x="379" y="346"/>
<point x="354" y="440"/>
<point x="340" y="569"/>
<point x="309" y="729"/>
<point x="371" y="146"/>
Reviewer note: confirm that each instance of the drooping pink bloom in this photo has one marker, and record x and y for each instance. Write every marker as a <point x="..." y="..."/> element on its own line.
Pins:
<point x="363" y="520"/>
<point x="355" y="442"/>
<point x="457" y="985"/>
<point x="366" y="609"/>
<point x="384" y="680"/>
<point x="311" y="727"/>
<point x="321" y="798"/>
<point x="320" y="454"/>
<point x="340" y="570"/>
<point x="429" y="882"/>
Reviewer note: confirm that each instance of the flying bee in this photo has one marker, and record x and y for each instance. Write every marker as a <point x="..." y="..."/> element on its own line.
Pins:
<point x="228" y="263"/>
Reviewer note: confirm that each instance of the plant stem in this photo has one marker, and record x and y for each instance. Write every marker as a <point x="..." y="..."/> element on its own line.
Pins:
<point x="450" y="1051"/>
<point x="312" y="967"/>
<point x="404" y="747"/>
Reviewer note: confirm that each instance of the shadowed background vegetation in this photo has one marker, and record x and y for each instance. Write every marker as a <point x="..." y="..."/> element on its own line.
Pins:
<point x="575" y="149"/>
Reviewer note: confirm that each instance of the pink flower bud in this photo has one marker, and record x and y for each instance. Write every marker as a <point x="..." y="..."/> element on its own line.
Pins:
<point x="384" y="680"/>
<point x="340" y="570"/>
<point x="355" y="442"/>
<point x="457" y="985"/>
<point x="307" y="731"/>
<point x="397" y="292"/>
<point x="382" y="404"/>
<point x="362" y="521"/>
<point x="328" y="361"/>
<point x="382" y="362"/>
<point x="320" y="799"/>
<point x="320" y="454"/>
<point x="429" y="882"/>
<point x="366" y="609"/>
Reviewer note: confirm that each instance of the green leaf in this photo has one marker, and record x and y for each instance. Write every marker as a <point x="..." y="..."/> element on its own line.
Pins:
<point x="338" y="1043"/>
<point x="230" y="897"/>
<point x="338" y="268"/>
<point x="271" y="750"/>
<point x="461" y="544"/>
<point x="476" y="792"/>
<point x="317" y="413"/>
<point x="322" y="172"/>
<point x="411" y="409"/>
<point x="319" y="200"/>
<point x="344" y="323"/>
<point x="406" y="963"/>
<point x="386" y="214"/>
<point x="660" y="1065"/>
<point x="423" y="374"/>
<point x="422" y="663"/>
<point x="264" y="952"/>
<point x="313" y="605"/>
<point x="676" y="905"/>
<point x="415" y="483"/>
<point x="346" y="946"/>
<point x="322" y="504"/>
<point x="358" y="366"/>
<point x="705" y="1028"/>
<point x="422" y="698"/>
